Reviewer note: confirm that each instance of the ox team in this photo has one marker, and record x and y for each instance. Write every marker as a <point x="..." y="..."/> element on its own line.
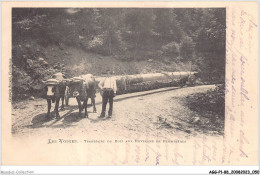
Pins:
<point x="81" y="88"/>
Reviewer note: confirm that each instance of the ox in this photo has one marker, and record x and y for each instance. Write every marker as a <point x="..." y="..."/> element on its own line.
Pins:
<point x="54" y="90"/>
<point x="82" y="88"/>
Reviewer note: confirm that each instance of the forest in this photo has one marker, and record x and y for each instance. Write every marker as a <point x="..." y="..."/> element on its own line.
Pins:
<point x="91" y="40"/>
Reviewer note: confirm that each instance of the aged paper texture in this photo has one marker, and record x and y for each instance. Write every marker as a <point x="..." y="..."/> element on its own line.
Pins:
<point x="69" y="146"/>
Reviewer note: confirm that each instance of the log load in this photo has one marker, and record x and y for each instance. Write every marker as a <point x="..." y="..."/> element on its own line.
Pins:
<point x="143" y="82"/>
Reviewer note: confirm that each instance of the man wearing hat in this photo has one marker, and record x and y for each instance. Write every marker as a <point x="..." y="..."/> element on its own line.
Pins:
<point x="108" y="88"/>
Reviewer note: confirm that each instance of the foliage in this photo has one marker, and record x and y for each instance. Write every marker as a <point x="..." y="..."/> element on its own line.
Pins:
<point x="187" y="48"/>
<point x="171" y="49"/>
<point x="213" y="100"/>
<point x="180" y="34"/>
<point x="210" y="47"/>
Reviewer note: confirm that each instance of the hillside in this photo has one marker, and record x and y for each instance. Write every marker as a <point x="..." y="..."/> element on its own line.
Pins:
<point x="74" y="62"/>
<point x="129" y="41"/>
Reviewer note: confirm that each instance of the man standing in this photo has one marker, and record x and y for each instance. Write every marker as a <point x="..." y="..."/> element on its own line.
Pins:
<point x="108" y="88"/>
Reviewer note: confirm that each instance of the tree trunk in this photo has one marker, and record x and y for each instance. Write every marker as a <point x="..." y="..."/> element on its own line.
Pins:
<point x="109" y="45"/>
<point x="136" y="46"/>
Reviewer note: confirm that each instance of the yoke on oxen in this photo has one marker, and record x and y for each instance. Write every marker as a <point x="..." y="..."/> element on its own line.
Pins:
<point x="54" y="89"/>
<point x="82" y="88"/>
<point x="77" y="88"/>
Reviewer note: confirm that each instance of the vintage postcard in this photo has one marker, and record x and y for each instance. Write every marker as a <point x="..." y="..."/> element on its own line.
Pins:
<point x="129" y="83"/>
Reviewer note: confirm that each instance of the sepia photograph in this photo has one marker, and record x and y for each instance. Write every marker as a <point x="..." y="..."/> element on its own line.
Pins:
<point x="124" y="71"/>
<point x="131" y="85"/>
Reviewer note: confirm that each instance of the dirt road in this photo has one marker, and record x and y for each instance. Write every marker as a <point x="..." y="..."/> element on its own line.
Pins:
<point x="158" y="113"/>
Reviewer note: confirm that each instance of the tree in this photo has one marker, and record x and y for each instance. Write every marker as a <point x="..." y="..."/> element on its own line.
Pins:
<point x="210" y="45"/>
<point x="187" y="48"/>
<point x="162" y="24"/>
<point x="139" y="23"/>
